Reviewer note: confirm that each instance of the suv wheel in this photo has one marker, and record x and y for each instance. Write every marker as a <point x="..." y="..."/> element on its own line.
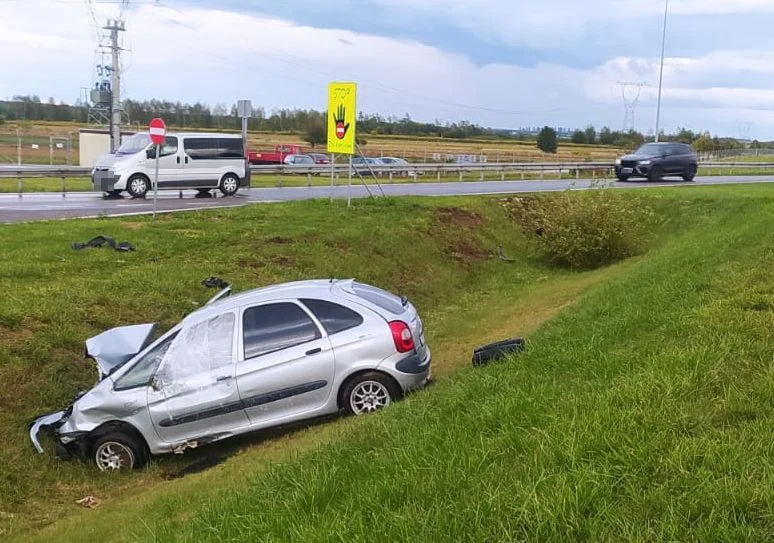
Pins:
<point x="655" y="173"/>
<point x="690" y="173"/>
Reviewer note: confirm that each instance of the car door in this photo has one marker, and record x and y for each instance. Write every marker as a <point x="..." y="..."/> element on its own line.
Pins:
<point x="672" y="160"/>
<point x="194" y="391"/>
<point x="170" y="167"/>
<point x="286" y="363"/>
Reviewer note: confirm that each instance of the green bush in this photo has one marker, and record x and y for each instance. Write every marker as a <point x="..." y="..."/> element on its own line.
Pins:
<point x="585" y="230"/>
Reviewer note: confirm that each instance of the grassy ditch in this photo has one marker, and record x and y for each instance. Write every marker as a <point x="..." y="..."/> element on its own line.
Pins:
<point x="641" y="412"/>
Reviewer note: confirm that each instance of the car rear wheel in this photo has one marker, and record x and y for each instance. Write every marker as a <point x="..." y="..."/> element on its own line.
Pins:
<point x="690" y="173"/>
<point x="117" y="451"/>
<point x="138" y="186"/>
<point x="655" y="174"/>
<point x="370" y="392"/>
<point x="229" y="184"/>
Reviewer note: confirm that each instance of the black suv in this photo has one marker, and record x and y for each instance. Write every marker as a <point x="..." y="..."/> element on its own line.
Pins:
<point x="656" y="160"/>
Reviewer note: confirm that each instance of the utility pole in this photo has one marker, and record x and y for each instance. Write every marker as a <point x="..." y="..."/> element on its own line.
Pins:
<point x="115" y="26"/>
<point x="661" y="71"/>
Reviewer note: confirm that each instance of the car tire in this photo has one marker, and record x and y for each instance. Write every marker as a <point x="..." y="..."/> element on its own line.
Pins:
<point x="229" y="184"/>
<point x="655" y="174"/>
<point x="116" y="451"/>
<point x="690" y="173"/>
<point x="138" y="185"/>
<point x="370" y="391"/>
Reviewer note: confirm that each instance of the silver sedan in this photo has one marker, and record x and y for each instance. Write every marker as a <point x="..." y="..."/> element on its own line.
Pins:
<point x="243" y="362"/>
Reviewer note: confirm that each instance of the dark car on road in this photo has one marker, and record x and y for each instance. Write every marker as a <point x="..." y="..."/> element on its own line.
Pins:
<point x="657" y="160"/>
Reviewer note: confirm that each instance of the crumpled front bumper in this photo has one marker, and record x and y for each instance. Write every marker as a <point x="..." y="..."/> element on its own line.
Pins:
<point x="53" y="420"/>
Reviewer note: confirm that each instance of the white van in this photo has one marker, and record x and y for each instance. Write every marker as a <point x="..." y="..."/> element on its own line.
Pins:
<point x="188" y="160"/>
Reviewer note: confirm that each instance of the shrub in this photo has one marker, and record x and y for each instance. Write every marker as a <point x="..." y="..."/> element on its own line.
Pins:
<point x="585" y="230"/>
<point x="546" y="140"/>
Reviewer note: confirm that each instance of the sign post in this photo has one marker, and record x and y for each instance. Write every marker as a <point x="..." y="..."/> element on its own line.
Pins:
<point x="342" y="114"/>
<point x="158" y="130"/>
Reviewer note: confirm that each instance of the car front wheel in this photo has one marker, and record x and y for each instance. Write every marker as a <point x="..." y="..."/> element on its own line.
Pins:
<point x="116" y="451"/>
<point x="138" y="186"/>
<point x="370" y="392"/>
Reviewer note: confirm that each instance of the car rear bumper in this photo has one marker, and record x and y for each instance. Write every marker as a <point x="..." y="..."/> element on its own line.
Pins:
<point x="412" y="371"/>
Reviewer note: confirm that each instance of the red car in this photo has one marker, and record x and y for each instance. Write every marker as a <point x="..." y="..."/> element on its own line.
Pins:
<point x="319" y="158"/>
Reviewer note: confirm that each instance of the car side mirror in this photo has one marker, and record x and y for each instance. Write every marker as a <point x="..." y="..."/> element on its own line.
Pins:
<point x="150" y="153"/>
<point x="155" y="384"/>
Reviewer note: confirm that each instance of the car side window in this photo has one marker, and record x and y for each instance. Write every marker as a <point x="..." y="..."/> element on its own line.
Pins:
<point x="274" y="327"/>
<point x="334" y="318"/>
<point x="143" y="370"/>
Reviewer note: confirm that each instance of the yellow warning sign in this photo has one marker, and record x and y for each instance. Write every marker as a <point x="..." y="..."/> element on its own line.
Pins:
<point x="341" y="118"/>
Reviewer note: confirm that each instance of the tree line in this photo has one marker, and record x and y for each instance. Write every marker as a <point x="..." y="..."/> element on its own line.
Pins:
<point x="312" y="123"/>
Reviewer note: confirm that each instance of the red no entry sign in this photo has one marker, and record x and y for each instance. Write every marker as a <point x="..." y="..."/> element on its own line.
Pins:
<point x="157" y="130"/>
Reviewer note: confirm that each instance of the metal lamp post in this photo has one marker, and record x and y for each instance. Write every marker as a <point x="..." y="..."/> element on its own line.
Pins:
<point x="661" y="72"/>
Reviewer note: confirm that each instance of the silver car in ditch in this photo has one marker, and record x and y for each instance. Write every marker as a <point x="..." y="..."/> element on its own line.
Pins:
<point x="242" y="362"/>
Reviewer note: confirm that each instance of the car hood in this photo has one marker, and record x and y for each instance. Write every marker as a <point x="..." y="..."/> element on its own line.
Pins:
<point x="113" y="347"/>
<point x="109" y="161"/>
<point x="635" y="157"/>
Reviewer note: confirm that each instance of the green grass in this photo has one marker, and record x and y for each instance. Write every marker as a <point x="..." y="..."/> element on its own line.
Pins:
<point x="641" y="413"/>
<point x="56" y="298"/>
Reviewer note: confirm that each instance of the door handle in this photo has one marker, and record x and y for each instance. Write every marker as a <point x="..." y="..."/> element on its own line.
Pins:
<point x="178" y="160"/>
<point x="186" y="160"/>
<point x="224" y="378"/>
<point x="313" y="351"/>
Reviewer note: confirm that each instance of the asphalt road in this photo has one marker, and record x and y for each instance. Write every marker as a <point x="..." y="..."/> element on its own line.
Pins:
<point x="43" y="206"/>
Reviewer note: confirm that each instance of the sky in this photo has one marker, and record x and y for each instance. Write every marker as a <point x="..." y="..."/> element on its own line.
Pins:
<point x="498" y="63"/>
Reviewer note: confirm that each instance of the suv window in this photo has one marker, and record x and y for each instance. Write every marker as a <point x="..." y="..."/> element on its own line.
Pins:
<point x="335" y="318"/>
<point x="382" y="298"/>
<point x="143" y="370"/>
<point x="274" y="327"/>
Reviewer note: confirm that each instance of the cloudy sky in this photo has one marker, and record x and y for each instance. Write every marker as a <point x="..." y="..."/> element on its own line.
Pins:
<point x="500" y="63"/>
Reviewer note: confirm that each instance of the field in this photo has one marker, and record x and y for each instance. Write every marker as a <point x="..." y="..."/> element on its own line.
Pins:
<point x="413" y="149"/>
<point x="641" y="410"/>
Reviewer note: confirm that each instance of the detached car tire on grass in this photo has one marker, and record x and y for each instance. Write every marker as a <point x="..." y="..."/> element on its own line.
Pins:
<point x="241" y="363"/>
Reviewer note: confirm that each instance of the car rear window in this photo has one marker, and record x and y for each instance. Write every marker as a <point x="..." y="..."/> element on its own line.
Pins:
<point x="335" y="318"/>
<point x="381" y="298"/>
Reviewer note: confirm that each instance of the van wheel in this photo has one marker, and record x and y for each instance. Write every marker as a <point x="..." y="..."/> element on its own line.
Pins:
<point x="229" y="184"/>
<point x="138" y="186"/>
<point x="117" y="451"/>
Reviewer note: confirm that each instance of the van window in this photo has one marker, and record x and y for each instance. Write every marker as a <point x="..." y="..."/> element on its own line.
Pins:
<point x="213" y="148"/>
<point x="169" y="147"/>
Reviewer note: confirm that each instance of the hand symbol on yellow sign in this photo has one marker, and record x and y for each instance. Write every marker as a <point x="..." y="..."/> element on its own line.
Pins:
<point x="339" y="118"/>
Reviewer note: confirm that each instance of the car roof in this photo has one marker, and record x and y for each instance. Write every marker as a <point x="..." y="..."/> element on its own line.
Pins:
<point x="309" y="288"/>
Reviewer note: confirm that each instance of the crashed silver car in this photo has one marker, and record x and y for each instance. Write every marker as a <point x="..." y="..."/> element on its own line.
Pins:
<point x="240" y="363"/>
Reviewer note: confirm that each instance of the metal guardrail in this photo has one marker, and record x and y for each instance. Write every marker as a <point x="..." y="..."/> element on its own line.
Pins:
<point x="388" y="171"/>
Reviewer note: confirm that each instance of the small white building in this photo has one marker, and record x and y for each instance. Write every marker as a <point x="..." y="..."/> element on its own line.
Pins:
<point x="93" y="143"/>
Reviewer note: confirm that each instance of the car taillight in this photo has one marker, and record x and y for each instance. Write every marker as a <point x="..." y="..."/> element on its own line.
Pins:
<point x="401" y="334"/>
